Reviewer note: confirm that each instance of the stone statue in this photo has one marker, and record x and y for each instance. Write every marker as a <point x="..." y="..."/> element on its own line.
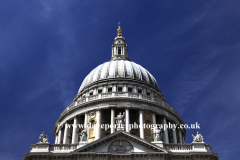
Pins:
<point x="197" y="138"/>
<point x="120" y="120"/>
<point x="157" y="134"/>
<point x="43" y="138"/>
<point x="83" y="135"/>
<point x="120" y="146"/>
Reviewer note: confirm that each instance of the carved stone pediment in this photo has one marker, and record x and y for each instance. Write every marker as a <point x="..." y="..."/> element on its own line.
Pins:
<point x="120" y="142"/>
<point x="120" y="146"/>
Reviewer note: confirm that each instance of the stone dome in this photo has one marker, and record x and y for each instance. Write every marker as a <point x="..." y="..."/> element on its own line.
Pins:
<point x="122" y="70"/>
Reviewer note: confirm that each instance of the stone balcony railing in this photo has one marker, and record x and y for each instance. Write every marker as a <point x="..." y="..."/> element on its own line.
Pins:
<point x="178" y="147"/>
<point x="172" y="147"/>
<point x="62" y="147"/>
<point x="121" y="94"/>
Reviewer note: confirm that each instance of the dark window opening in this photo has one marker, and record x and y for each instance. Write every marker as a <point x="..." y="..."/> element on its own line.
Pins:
<point x="148" y="93"/>
<point x="109" y="89"/>
<point x="119" y="89"/>
<point x="119" y="50"/>
<point x="100" y="91"/>
<point x="91" y="93"/>
<point x="129" y="89"/>
<point x="140" y="91"/>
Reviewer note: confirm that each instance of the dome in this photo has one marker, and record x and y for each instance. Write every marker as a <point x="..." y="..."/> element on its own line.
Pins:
<point x="122" y="70"/>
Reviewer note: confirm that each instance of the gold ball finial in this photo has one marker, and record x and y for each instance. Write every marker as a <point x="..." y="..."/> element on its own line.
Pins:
<point x="119" y="30"/>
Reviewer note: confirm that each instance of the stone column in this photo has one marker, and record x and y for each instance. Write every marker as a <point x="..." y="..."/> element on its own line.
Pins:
<point x="165" y="132"/>
<point x="114" y="88"/>
<point x="85" y="120"/>
<point x="152" y="96"/>
<point x="180" y="136"/>
<point x="74" y="135"/>
<point x="124" y="88"/>
<point x="135" y="89"/>
<point x="112" y="52"/>
<point x="59" y="135"/>
<point x="141" y="124"/>
<point x="127" y="119"/>
<point x="98" y="131"/>
<point x="94" y="91"/>
<point x="56" y="138"/>
<point x="144" y="91"/>
<point x="174" y="136"/>
<point x="65" y="138"/>
<point x="87" y="95"/>
<point x="112" y="119"/>
<point x="104" y="90"/>
<point x="154" y="120"/>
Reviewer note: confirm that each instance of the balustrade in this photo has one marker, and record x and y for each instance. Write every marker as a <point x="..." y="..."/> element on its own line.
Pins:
<point x="146" y="97"/>
<point x="92" y="97"/>
<point x="169" y="147"/>
<point x="179" y="147"/>
<point x="106" y="95"/>
<point x="133" y="95"/>
<point x="123" y="94"/>
<point x="62" y="147"/>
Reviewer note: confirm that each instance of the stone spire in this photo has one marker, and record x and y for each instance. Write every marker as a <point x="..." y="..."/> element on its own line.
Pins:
<point x="119" y="49"/>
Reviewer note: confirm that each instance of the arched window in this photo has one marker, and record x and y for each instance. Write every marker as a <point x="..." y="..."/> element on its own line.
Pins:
<point x="119" y="50"/>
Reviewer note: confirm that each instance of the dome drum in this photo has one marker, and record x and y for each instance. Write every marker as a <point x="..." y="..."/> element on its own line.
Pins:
<point x="105" y="109"/>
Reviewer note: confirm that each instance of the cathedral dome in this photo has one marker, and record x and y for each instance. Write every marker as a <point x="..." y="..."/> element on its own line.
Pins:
<point x="122" y="70"/>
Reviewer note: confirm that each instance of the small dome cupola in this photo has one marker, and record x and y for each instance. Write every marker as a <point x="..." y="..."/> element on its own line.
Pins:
<point x="119" y="49"/>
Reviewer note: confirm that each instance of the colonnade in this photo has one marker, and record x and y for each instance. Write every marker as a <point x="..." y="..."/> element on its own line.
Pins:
<point x="63" y="134"/>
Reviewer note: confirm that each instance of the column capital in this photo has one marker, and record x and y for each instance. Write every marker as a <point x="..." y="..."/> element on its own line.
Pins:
<point x="112" y="106"/>
<point x="146" y="111"/>
<point x="149" y="112"/>
<point x="98" y="110"/>
<point x="127" y="107"/>
<point x="140" y="109"/>
<point x="60" y="127"/>
<point x="154" y="113"/>
<point x="91" y="112"/>
<point x="75" y="116"/>
<point x="174" y="122"/>
<point x="164" y="116"/>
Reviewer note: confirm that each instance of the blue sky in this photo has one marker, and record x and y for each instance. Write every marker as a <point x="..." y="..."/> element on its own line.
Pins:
<point x="47" y="47"/>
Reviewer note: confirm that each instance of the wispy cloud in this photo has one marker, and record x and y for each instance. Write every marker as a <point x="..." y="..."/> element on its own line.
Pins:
<point x="193" y="80"/>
